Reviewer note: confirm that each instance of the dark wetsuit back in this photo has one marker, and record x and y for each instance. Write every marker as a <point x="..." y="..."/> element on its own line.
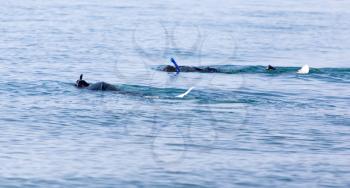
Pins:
<point x="102" y="86"/>
<point x="169" y="68"/>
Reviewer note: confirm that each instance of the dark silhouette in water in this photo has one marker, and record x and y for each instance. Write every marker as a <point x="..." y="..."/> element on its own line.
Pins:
<point x="176" y="68"/>
<point x="170" y="68"/>
<point x="103" y="86"/>
<point x="270" y="68"/>
<point x="81" y="83"/>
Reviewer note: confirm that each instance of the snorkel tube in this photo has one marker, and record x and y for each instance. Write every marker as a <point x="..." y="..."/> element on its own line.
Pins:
<point x="176" y="66"/>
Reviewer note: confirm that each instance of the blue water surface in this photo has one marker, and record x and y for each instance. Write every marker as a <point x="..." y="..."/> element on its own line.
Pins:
<point x="241" y="127"/>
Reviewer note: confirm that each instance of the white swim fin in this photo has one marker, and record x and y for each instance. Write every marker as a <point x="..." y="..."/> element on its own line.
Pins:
<point x="184" y="94"/>
<point x="304" y="70"/>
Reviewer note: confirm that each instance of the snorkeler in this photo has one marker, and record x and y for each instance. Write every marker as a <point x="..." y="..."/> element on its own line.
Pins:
<point x="170" y="68"/>
<point x="179" y="69"/>
<point x="102" y="86"/>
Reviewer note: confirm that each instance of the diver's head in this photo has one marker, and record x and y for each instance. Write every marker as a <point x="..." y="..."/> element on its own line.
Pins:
<point x="81" y="83"/>
<point x="169" y="68"/>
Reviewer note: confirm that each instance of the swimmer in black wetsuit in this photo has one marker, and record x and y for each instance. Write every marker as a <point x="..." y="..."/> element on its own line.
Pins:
<point x="170" y="68"/>
<point x="103" y="86"/>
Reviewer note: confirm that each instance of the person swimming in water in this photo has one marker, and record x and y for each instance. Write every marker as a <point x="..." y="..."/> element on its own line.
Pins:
<point x="169" y="68"/>
<point x="102" y="86"/>
<point x="178" y="69"/>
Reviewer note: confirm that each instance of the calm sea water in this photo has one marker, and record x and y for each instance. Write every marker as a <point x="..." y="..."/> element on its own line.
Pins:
<point x="239" y="128"/>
